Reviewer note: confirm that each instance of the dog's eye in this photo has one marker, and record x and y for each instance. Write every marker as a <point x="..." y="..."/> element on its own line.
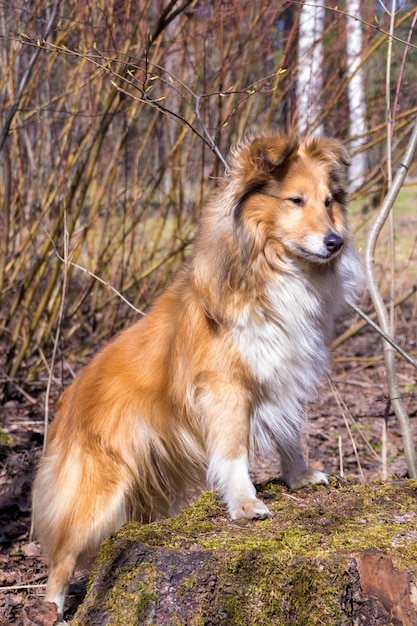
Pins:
<point x="327" y="202"/>
<point x="297" y="201"/>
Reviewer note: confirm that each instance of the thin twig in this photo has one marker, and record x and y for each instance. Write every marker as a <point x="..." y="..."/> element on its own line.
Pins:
<point x="345" y="411"/>
<point x="341" y="470"/>
<point x="207" y="134"/>
<point x="14" y="587"/>
<point x="26" y="76"/>
<point x="383" y="334"/>
<point x="402" y="68"/>
<point x="354" y="446"/>
<point x="67" y="262"/>
<point x="58" y="331"/>
<point x="352" y="330"/>
<point x="24" y="393"/>
<point x="372" y="25"/>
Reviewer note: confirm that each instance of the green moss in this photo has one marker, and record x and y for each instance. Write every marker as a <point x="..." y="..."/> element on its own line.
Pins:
<point x="143" y="597"/>
<point x="190" y="583"/>
<point x="6" y="440"/>
<point x="128" y="599"/>
<point x="291" y="568"/>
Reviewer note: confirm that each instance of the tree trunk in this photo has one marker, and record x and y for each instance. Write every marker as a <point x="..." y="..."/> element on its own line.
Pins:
<point x="356" y="95"/>
<point x="340" y="555"/>
<point x="310" y="67"/>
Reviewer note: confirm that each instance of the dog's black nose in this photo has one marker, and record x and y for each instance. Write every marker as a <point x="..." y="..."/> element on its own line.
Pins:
<point x="333" y="242"/>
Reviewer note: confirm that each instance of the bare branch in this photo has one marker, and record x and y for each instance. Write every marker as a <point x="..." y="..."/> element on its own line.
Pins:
<point x="379" y="305"/>
<point x="387" y="337"/>
<point x="25" y="78"/>
<point x="372" y="25"/>
<point x="67" y="263"/>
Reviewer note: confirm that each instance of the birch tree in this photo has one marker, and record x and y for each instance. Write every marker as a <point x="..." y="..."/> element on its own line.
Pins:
<point x="356" y="95"/>
<point x="310" y="64"/>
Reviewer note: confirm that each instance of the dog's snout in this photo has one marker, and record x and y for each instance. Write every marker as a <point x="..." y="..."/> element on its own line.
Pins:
<point x="333" y="242"/>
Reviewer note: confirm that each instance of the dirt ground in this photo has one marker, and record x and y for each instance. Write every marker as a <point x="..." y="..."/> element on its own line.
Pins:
<point x="344" y="435"/>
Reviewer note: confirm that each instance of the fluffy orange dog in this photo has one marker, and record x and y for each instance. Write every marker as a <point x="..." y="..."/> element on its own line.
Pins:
<point x="220" y="367"/>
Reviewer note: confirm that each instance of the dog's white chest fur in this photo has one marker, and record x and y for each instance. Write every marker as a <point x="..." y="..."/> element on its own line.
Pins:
<point x="284" y="343"/>
<point x="285" y="348"/>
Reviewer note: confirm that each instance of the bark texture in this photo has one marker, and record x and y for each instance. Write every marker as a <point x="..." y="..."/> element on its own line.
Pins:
<point x="343" y="555"/>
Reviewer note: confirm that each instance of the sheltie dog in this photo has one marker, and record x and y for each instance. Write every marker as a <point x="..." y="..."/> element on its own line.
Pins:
<point x="218" y="370"/>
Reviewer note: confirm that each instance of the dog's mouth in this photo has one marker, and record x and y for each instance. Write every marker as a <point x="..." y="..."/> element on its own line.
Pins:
<point x="321" y="257"/>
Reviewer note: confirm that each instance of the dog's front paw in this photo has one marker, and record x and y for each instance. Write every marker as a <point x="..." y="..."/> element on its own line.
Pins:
<point x="249" y="509"/>
<point x="309" y="477"/>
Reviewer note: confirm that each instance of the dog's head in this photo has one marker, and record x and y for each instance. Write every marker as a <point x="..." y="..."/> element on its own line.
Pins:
<point x="290" y="199"/>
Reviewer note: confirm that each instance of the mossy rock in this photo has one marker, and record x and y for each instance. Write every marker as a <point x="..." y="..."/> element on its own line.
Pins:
<point x="342" y="555"/>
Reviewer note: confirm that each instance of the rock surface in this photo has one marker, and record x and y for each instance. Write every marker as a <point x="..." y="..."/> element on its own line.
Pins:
<point x="343" y="555"/>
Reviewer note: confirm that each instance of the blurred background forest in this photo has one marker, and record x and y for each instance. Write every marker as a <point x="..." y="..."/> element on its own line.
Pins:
<point x="115" y="119"/>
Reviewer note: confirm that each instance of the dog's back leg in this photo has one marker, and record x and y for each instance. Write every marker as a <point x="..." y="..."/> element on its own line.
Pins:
<point x="73" y="512"/>
<point x="60" y="574"/>
<point x="77" y="536"/>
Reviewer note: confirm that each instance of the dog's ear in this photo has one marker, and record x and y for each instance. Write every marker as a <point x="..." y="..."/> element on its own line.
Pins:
<point x="255" y="161"/>
<point x="331" y="151"/>
<point x="263" y="155"/>
<point x="339" y="151"/>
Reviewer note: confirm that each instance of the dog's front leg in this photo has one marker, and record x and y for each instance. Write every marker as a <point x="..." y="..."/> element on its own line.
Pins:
<point x="231" y="476"/>
<point x="228" y="468"/>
